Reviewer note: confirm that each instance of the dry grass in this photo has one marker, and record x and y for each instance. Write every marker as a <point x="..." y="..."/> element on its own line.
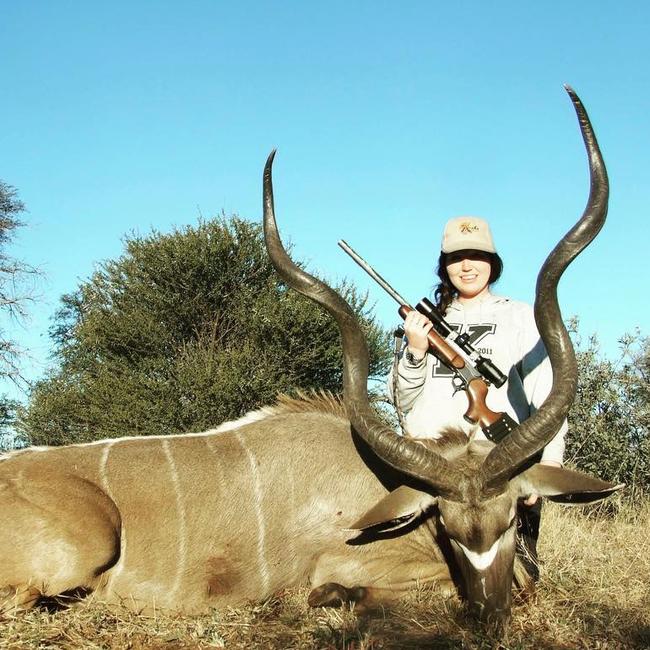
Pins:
<point x="594" y="594"/>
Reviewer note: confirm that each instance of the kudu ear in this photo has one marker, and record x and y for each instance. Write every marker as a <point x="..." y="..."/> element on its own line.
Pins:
<point x="564" y="485"/>
<point x="396" y="510"/>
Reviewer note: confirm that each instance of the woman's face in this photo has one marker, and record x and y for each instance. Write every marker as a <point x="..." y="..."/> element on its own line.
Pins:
<point x="469" y="272"/>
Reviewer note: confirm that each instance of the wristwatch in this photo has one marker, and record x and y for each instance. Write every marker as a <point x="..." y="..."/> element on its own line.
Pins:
<point x="412" y="359"/>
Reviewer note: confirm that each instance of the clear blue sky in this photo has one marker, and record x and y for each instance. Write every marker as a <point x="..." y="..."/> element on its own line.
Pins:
<point x="389" y="118"/>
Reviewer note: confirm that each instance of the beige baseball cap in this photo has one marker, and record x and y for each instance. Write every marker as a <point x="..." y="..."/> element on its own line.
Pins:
<point x="463" y="233"/>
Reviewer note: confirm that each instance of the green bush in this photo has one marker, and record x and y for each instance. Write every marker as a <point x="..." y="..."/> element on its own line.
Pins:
<point x="609" y="420"/>
<point x="182" y="332"/>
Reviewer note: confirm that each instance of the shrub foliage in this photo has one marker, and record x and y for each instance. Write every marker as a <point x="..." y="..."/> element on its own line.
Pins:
<point x="17" y="290"/>
<point x="182" y="332"/>
<point x="609" y="422"/>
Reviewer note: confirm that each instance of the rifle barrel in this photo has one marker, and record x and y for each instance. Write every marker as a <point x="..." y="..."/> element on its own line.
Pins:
<point x="373" y="274"/>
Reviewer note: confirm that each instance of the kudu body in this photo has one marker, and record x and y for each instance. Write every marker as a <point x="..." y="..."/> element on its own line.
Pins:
<point x="195" y="521"/>
<point x="267" y="502"/>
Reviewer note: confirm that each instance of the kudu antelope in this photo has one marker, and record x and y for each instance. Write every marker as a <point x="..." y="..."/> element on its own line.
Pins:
<point x="267" y="502"/>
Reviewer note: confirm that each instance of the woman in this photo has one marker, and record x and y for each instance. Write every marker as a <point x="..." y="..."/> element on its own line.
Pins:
<point x="499" y="328"/>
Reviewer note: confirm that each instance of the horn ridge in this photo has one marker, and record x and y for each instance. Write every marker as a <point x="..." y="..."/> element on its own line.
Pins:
<point x="404" y="454"/>
<point x="535" y="432"/>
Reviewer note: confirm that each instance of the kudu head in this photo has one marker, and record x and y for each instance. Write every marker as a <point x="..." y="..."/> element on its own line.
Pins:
<point x="476" y="485"/>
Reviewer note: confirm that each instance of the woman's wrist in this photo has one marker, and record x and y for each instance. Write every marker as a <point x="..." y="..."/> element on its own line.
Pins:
<point x="415" y="356"/>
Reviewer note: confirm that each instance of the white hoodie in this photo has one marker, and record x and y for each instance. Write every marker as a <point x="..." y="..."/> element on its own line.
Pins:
<point x="503" y="330"/>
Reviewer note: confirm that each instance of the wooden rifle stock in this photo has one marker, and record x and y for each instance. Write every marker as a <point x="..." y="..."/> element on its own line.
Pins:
<point x="478" y="410"/>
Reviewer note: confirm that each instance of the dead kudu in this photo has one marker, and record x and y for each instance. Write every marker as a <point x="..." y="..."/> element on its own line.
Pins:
<point x="191" y="522"/>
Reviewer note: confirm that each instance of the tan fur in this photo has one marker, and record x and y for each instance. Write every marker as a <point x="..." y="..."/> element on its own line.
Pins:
<point x="191" y="522"/>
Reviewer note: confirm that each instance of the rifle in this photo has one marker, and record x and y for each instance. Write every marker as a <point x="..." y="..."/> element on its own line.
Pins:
<point x="472" y="372"/>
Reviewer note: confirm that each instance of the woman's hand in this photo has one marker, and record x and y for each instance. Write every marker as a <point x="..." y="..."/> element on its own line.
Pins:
<point x="416" y="327"/>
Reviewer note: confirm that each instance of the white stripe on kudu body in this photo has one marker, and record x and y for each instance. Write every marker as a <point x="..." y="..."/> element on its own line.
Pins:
<point x="103" y="464"/>
<point x="261" y="520"/>
<point x="104" y="477"/>
<point x="180" y="509"/>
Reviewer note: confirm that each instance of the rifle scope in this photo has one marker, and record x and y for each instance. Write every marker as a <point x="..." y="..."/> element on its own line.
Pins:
<point x="483" y="365"/>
